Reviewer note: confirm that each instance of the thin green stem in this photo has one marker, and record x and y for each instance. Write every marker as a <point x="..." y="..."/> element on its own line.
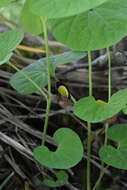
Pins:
<point x="73" y="99"/>
<point x="106" y="137"/>
<point x="109" y="91"/>
<point x="88" y="157"/>
<point x="46" y="120"/>
<point x="44" y="24"/>
<point x="102" y="171"/>
<point x="109" y="74"/>
<point x="89" y="127"/>
<point x="90" y="73"/>
<point x="29" y="79"/>
<point x="6" y="181"/>
<point x="100" y="178"/>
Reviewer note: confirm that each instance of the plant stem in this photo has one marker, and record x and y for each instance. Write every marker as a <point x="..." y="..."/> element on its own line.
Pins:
<point x="109" y="91"/>
<point x="46" y="120"/>
<point x="90" y="73"/>
<point x="100" y="178"/>
<point x="89" y="156"/>
<point x="73" y="99"/>
<point x="109" y="74"/>
<point x="44" y="23"/>
<point x="29" y="79"/>
<point x="89" y="127"/>
<point x="6" y="181"/>
<point x="102" y="171"/>
<point x="106" y="137"/>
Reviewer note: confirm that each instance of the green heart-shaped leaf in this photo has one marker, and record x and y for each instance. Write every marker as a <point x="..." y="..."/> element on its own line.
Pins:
<point x="31" y="22"/>
<point x="68" y="153"/>
<point x="95" y="29"/>
<point x="118" y="133"/>
<point x="8" y="42"/>
<point x="62" y="178"/>
<point x="112" y="156"/>
<point x="62" y="8"/>
<point x="38" y="72"/>
<point x="90" y="110"/>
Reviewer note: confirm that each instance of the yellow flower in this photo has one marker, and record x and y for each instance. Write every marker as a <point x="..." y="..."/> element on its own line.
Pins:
<point x="101" y="102"/>
<point x="63" y="91"/>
